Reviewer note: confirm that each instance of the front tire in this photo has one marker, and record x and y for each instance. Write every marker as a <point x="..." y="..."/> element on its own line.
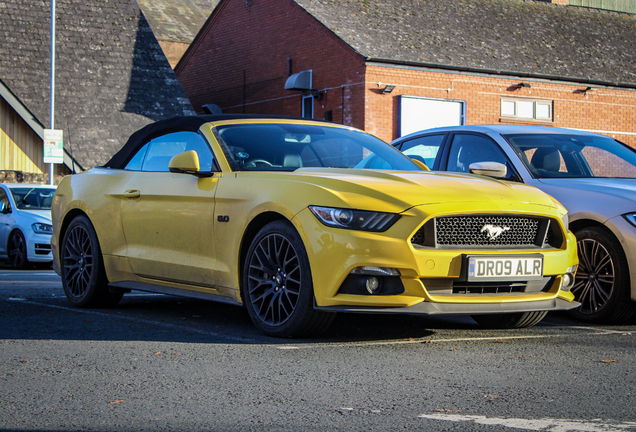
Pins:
<point x="83" y="274"/>
<point x="510" y="320"/>
<point x="277" y="286"/>
<point x="17" y="251"/>
<point x="602" y="283"/>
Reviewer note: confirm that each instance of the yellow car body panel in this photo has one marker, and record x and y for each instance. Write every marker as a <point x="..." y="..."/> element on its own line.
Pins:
<point x="188" y="232"/>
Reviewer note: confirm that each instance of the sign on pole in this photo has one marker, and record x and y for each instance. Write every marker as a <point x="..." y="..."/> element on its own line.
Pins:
<point x="53" y="146"/>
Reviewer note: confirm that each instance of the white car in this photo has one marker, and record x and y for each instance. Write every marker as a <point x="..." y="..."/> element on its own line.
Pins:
<point x="592" y="175"/>
<point x="25" y="224"/>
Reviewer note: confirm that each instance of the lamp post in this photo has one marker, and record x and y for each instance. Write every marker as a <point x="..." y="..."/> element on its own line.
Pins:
<point x="52" y="115"/>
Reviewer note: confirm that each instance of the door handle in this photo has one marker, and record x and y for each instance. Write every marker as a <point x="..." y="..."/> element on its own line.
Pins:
<point x="130" y="194"/>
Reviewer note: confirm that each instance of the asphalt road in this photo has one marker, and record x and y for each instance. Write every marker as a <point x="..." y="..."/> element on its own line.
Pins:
<point x="159" y="363"/>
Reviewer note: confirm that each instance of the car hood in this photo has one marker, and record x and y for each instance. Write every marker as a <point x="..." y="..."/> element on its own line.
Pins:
<point x="607" y="196"/>
<point x="623" y="188"/>
<point x="397" y="191"/>
<point x="41" y="216"/>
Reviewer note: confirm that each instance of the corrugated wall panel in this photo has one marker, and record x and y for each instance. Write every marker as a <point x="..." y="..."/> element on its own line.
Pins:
<point x="628" y="6"/>
<point x="20" y="146"/>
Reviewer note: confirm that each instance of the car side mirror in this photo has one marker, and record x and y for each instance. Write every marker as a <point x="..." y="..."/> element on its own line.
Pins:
<point x="2" y="207"/>
<point x="186" y="162"/>
<point x="420" y="164"/>
<point x="490" y="169"/>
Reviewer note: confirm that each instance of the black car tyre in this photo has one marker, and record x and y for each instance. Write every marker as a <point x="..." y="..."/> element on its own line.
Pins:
<point x="83" y="274"/>
<point x="277" y="286"/>
<point x="510" y="320"/>
<point x="17" y="251"/>
<point x="602" y="283"/>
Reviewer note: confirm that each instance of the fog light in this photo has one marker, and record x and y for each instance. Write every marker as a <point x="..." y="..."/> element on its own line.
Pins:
<point x="567" y="280"/>
<point x="372" y="284"/>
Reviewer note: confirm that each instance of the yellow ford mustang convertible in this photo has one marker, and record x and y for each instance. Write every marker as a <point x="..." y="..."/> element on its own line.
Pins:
<point x="300" y="219"/>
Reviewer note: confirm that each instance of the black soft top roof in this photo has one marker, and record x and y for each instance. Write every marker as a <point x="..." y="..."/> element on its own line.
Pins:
<point x="175" y="124"/>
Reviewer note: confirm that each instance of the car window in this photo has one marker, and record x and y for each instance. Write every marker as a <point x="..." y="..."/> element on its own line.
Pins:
<point x="155" y="156"/>
<point x="30" y="198"/>
<point x="575" y="156"/>
<point x="5" y="199"/>
<point x="606" y="164"/>
<point x="470" y="148"/>
<point x="138" y="159"/>
<point x="287" y="147"/>
<point x="545" y="159"/>
<point x="424" y="148"/>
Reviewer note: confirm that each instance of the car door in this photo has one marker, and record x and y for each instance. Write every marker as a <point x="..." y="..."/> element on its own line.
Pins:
<point x="5" y="222"/>
<point x="463" y="148"/>
<point x="167" y="218"/>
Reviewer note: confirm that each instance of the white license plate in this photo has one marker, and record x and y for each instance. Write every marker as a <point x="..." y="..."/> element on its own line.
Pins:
<point x="504" y="268"/>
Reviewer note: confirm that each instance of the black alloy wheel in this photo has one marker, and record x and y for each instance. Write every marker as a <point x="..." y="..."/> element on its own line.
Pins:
<point x="277" y="285"/>
<point x="601" y="283"/>
<point x="17" y="251"/>
<point x="274" y="279"/>
<point x="83" y="274"/>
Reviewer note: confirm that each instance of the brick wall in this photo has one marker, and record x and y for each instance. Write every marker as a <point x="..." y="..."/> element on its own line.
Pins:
<point x="606" y="110"/>
<point x="253" y="81"/>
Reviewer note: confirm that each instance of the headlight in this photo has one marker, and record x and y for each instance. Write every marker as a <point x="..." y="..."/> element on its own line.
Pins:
<point x="40" y="228"/>
<point x="631" y="218"/>
<point x="354" y="219"/>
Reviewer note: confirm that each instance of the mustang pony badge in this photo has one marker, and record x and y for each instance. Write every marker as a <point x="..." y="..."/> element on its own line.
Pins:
<point x="493" y="231"/>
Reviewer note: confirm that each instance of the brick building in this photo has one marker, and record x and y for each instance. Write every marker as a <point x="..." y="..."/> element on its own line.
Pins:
<point x="393" y="67"/>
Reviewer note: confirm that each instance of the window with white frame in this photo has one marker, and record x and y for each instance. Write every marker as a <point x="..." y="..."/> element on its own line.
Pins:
<point x="526" y="109"/>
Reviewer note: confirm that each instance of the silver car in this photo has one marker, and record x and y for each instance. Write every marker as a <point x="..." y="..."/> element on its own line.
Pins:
<point x="25" y="224"/>
<point x="592" y="175"/>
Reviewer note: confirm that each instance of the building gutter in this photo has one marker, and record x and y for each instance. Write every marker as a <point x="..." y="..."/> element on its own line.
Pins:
<point x="501" y="73"/>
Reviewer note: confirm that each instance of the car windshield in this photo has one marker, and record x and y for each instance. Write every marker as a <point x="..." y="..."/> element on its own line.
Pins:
<point x="29" y="198"/>
<point x="574" y="156"/>
<point x="287" y="147"/>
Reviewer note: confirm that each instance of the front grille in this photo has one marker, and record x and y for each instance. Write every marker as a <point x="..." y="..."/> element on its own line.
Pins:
<point x="42" y="249"/>
<point x="492" y="288"/>
<point x="488" y="231"/>
<point x="473" y="230"/>
<point x="489" y="288"/>
<point x="446" y="287"/>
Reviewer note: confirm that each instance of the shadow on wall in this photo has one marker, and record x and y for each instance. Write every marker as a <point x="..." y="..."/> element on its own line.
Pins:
<point x="154" y="90"/>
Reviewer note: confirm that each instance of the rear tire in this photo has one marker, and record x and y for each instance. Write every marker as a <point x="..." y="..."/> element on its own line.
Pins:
<point x="602" y="283"/>
<point x="510" y="320"/>
<point x="17" y="251"/>
<point x="277" y="286"/>
<point x="83" y="273"/>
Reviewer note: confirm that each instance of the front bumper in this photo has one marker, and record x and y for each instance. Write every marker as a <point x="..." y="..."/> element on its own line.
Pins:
<point x="335" y="253"/>
<point x="39" y="248"/>
<point x="428" y="308"/>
